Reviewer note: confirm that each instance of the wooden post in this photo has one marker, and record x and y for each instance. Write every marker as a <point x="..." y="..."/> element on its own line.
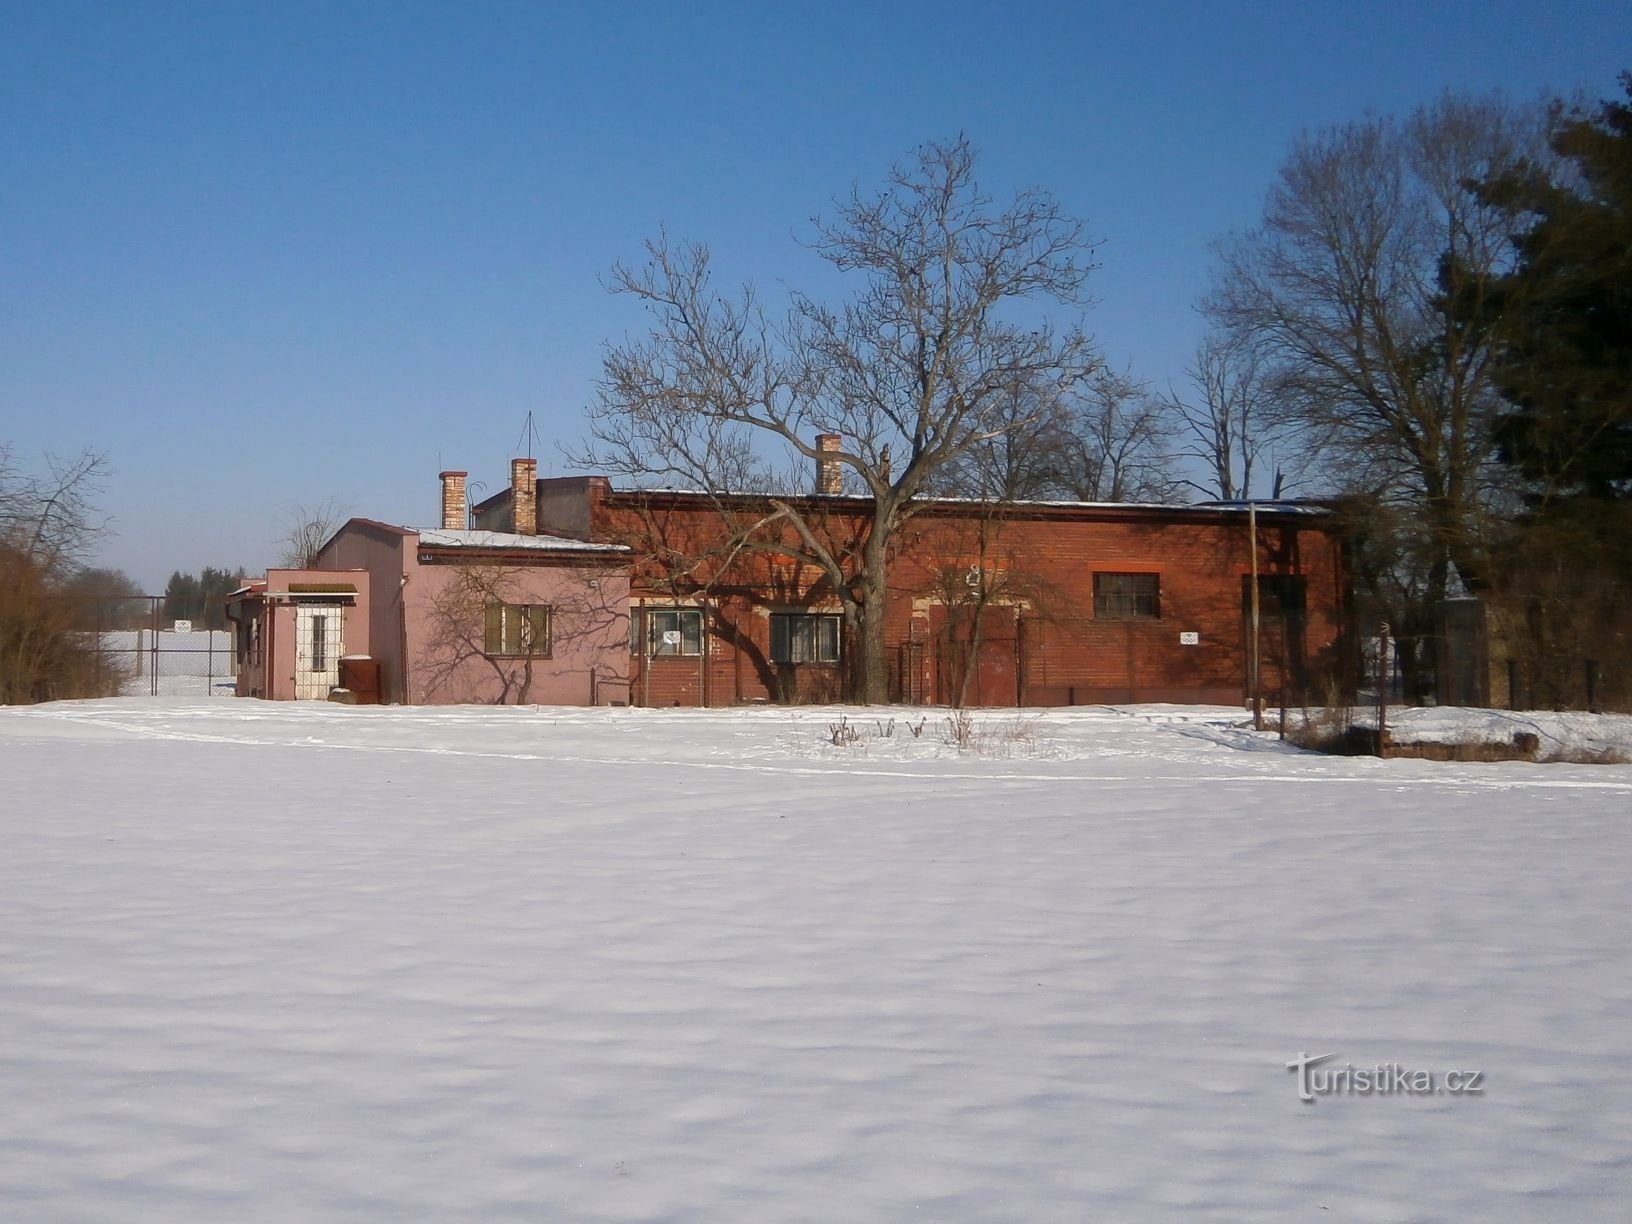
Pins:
<point x="1252" y="546"/>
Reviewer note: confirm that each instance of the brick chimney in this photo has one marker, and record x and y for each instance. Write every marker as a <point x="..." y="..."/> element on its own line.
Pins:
<point x="453" y="501"/>
<point x="524" y="495"/>
<point x="829" y="472"/>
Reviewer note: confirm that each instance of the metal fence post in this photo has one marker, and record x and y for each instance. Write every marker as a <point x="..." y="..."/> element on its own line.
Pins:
<point x="1382" y="689"/>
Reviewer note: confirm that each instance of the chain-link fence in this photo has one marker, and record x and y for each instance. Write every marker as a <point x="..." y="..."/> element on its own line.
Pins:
<point x="141" y="653"/>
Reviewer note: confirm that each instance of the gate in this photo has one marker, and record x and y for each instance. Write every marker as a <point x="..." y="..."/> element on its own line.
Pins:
<point x="139" y="653"/>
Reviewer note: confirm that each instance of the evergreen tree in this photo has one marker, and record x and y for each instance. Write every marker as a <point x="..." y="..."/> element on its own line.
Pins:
<point x="200" y="598"/>
<point x="1563" y="316"/>
<point x="180" y="596"/>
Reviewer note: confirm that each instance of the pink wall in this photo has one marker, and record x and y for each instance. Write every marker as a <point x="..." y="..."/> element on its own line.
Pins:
<point x="384" y="552"/>
<point x="275" y="677"/>
<point x="434" y="612"/>
<point x="589" y="658"/>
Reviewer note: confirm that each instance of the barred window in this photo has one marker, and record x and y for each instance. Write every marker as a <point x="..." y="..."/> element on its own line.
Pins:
<point x="522" y="630"/>
<point x="670" y="632"/>
<point x="1127" y="597"/>
<point x="804" y="638"/>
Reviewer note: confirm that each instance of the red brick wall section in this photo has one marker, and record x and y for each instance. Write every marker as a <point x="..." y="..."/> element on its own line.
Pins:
<point x="1044" y="566"/>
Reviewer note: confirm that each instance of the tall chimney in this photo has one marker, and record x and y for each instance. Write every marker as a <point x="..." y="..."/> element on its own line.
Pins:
<point x="829" y="472"/>
<point x="453" y="501"/>
<point x="524" y="495"/>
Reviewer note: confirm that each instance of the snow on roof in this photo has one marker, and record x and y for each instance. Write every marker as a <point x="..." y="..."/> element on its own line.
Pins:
<point x="439" y="538"/>
<point x="1264" y="504"/>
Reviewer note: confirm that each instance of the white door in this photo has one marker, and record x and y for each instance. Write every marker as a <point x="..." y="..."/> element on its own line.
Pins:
<point x="319" y="643"/>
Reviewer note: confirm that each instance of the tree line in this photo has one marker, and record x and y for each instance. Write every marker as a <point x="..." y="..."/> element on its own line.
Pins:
<point x="1430" y="328"/>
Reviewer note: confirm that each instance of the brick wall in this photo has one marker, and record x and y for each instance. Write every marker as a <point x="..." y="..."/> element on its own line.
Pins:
<point x="1038" y="566"/>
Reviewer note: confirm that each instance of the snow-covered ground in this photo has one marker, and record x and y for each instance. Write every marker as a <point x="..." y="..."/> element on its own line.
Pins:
<point x="312" y="963"/>
<point x="1563" y="733"/>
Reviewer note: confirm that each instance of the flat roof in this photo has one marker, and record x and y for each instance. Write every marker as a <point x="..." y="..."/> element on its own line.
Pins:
<point x="509" y="541"/>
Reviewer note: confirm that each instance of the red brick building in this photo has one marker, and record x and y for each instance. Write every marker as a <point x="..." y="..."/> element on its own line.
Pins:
<point x="1029" y="604"/>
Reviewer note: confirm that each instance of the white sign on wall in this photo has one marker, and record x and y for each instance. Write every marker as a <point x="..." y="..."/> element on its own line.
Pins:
<point x="184" y="626"/>
<point x="1189" y="639"/>
<point x="671" y="637"/>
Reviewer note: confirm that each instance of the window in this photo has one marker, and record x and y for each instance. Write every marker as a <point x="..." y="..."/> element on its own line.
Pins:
<point x="1127" y="597"/>
<point x="804" y="638"/>
<point x="522" y="630"/>
<point x="670" y="632"/>
<point x="320" y="627"/>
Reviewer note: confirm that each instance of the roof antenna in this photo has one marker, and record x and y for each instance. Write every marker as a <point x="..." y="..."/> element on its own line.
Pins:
<point x="529" y="435"/>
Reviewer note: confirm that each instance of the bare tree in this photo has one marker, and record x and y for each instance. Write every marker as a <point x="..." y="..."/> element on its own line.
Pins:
<point x="1227" y="418"/>
<point x="490" y="631"/>
<point x="51" y="517"/>
<point x="1018" y="462"/>
<point x="912" y="372"/>
<point x="1110" y="446"/>
<point x="1102" y="440"/>
<point x="48" y="523"/>
<point x="1344" y="290"/>
<point x="306" y="529"/>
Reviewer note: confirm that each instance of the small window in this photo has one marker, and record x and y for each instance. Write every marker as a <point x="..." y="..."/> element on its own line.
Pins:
<point x="804" y="638"/>
<point x="670" y="632"/>
<point x="1127" y="597"/>
<point x="522" y="630"/>
<point x="320" y="629"/>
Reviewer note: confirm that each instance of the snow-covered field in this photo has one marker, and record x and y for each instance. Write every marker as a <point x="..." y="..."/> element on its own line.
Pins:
<point x="315" y="963"/>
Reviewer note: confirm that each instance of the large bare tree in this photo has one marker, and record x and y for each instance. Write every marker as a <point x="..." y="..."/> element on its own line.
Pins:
<point x="1344" y="288"/>
<point x="919" y="366"/>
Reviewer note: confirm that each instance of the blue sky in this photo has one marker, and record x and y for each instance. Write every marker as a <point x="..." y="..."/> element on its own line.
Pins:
<point x="267" y="254"/>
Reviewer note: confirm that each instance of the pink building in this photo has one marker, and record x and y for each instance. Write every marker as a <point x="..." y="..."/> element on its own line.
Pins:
<point x="442" y="616"/>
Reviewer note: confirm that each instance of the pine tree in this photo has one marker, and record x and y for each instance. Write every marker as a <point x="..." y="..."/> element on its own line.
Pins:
<point x="1563" y="316"/>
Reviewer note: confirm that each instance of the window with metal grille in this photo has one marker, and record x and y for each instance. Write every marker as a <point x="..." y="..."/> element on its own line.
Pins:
<point x="320" y="640"/>
<point x="1127" y="597"/>
<point x="522" y="630"/>
<point x="670" y="632"/>
<point x="804" y="638"/>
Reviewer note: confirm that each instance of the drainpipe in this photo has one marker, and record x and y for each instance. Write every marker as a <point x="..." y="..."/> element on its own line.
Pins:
<point x="402" y="637"/>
